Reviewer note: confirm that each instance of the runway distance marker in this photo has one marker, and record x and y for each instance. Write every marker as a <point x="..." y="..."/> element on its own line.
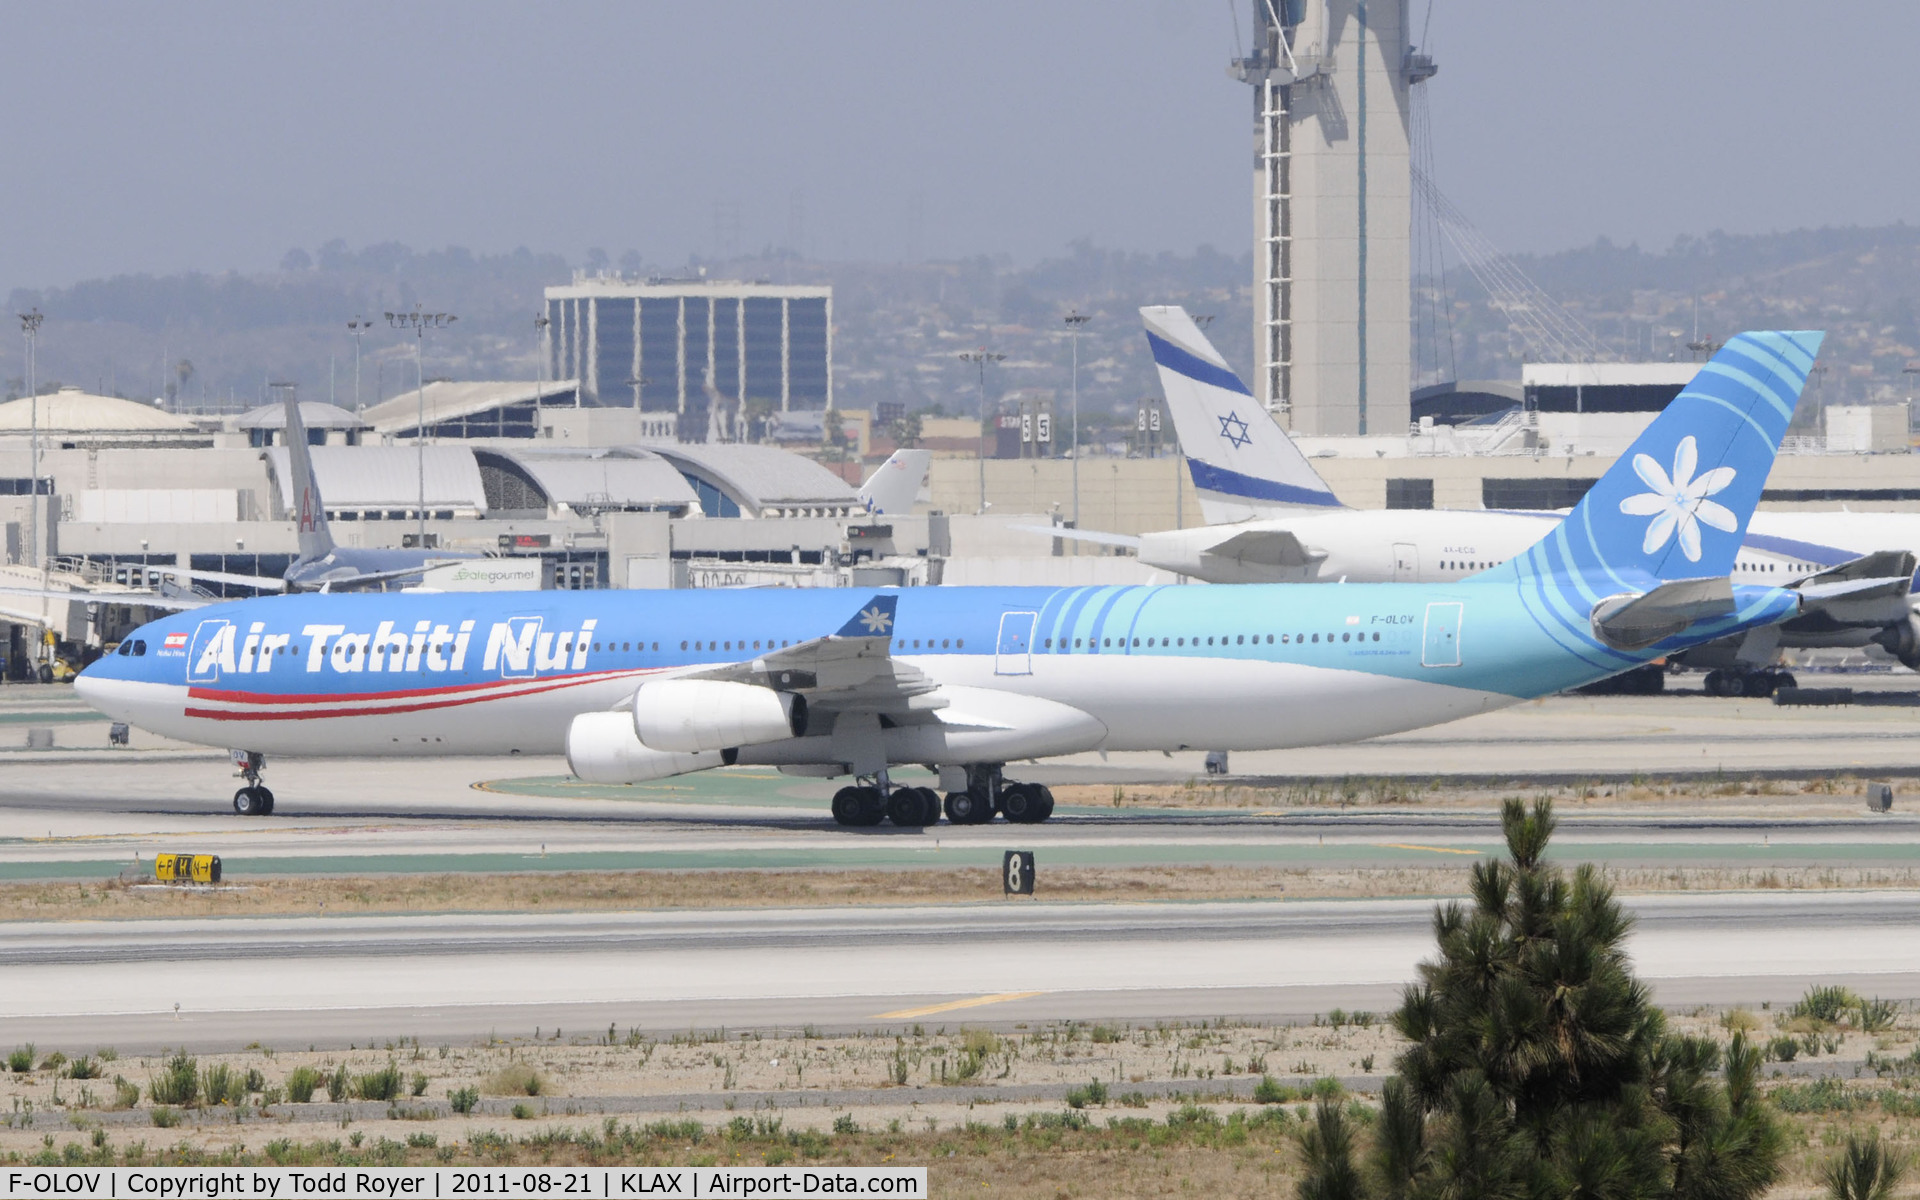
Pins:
<point x="951" y="1005"/>
<point x="1434" y="849"/>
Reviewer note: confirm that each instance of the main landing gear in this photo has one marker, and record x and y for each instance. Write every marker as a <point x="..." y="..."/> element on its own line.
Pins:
<point x="916" y="807"/>
<point x="253" y="800"/>
<point x="1758" y="684"/>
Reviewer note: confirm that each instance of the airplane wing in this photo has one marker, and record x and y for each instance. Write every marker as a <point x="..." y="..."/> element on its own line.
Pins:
<point x="852" y="669"/>
<point x="266" y="583"/>
<point x="137" y="599"/>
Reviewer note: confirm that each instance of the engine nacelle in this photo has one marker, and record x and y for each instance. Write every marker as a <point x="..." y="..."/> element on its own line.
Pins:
<point x="1902" y="640"/>
<point x="688" y="715"/>
<point x="602" y="748"/>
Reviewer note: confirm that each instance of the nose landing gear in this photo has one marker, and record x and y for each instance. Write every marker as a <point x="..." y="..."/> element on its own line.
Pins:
<point x="254" y="800"/>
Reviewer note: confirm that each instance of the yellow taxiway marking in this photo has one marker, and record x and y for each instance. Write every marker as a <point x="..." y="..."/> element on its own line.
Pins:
<point x="949" y="1006"/>
<point x="1435" y="849"/>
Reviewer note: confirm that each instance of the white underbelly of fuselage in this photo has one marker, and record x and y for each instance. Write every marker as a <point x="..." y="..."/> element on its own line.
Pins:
<point x="1145" y="703"/>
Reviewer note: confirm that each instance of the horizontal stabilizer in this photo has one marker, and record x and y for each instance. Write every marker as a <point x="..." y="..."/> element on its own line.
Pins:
<point x="1266" y="548"/>
<point x="1891" y="570"/>
<point x="1082" y="535"/>
<point x="1633" y="622"/>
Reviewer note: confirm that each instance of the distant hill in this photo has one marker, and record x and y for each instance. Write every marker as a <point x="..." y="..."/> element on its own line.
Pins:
<point x="899" y="326"/>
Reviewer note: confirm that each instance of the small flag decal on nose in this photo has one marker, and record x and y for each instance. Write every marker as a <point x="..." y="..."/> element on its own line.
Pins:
<point x="175" y="641"/>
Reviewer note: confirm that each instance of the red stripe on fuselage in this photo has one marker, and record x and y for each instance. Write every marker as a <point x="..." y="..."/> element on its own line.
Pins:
<point x="237" y="697"/>
<point x="307" y="714"/>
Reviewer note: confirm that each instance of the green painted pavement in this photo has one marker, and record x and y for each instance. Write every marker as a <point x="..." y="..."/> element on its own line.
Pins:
<point x="910" y="851"/>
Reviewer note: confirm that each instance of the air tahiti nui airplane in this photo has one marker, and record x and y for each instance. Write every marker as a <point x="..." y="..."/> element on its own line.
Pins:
<point x="640" y="685"/>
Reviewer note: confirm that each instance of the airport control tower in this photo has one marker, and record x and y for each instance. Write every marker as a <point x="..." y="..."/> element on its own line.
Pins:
<point x="1332" y="218"/>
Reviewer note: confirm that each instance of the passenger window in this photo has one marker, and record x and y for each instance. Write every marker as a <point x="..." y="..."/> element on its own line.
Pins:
<point x="1376" y="637"/>
<point x="959" y="643"/>
<point x="683" y="645"/>
<point x="1316" y="639"/>
<point x="1106" y="641"/>
<point x="1182" y="641"/>
<point x="1076" y="643"/>
<point x="1136" y="641"/>
<point x="943" y="643"/>
<point x="1241" y="640"/>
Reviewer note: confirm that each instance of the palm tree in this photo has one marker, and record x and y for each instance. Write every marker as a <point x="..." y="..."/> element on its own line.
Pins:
<point x="1538" y="1065"/>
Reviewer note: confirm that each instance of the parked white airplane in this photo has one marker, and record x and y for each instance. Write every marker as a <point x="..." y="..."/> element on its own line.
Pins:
<point x="1271" y="517"/>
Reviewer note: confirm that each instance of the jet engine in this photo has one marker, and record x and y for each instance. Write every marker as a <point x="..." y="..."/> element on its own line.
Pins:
<point x="602" y="748"/>
<point x="688" y="715"/>
<point x="1902" y="640"/>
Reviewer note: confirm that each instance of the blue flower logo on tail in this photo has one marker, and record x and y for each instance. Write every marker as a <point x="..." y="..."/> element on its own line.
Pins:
<point x="1678" y="503"/>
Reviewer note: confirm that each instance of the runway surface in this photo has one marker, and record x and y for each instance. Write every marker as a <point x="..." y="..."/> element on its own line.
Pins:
<point x="333" y="979"/>
<point x="83" y="811"/>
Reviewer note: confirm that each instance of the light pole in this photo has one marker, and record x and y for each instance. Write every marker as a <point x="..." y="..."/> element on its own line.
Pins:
<point x="1075" y="319"/>
<point x="356" y="327"/>
<point x="30" y="326"/>
<point x="540" y="324"/>
<point x="419" y="322"/>
<point x="981" y="357"/>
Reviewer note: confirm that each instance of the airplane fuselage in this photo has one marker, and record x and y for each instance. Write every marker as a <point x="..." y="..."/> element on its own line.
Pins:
<point x="1158" y="667"/>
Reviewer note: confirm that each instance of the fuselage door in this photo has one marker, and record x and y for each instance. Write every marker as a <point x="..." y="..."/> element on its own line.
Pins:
<point x="1406" y="562"/>
<point x="1013" y="655"/>
<point x="1440" y="645"/>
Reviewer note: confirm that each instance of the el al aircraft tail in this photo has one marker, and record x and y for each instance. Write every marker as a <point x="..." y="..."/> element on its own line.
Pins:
<point x="309" y="514"/>
<point x="1647" y="553"/>
<point x="1243" y="465"/>
<point x="895" y="484"/>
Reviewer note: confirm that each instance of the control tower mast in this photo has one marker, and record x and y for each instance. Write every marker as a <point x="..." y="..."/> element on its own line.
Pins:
<point x="1332" y="212"/>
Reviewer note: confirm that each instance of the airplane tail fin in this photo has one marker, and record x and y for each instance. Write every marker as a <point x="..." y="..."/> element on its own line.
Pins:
<point x="1243" y="464"/>
<point x="309" y="514"/>
<point x="1677" y="503"/>
<point x="895" y="484"/>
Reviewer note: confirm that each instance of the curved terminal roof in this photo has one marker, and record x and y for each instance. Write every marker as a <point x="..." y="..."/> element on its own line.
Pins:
<point x="625" y="479"/>
<point x="371" y="478"/>
<point x="764" y="481"/>
<point x="71" y="410"/>
<point x="314" y="414"/>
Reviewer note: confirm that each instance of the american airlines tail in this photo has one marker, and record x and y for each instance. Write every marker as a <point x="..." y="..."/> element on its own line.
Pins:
<point x="1243" y="465"/>
<point x="895" y="484"/>
<point x="310" y="515"/>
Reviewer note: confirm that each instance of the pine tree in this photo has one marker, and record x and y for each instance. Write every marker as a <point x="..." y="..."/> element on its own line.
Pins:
<point x="1539" y="1067"/>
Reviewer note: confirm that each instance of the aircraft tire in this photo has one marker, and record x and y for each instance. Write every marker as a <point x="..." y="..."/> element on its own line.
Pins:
<point x="1715" y="684"/>
<point x="873" y="806"/>
<point x="245" y="802"/>
<point x="1734" y="686"/>
<point x="929" y="806"/>
<point x="963" y="808"/>
<point x="1020" y="802"/>
<point x="911" y="809"/>
<point x="846" y="806"/>
<point x="1045" y="807"/>
<point x="266" y="802"/>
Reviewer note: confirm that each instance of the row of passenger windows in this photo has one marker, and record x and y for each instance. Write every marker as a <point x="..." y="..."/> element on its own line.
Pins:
<point x="1297" y="639"/>
<point x="1454" y="564"/>
<point x="741" y="644"/>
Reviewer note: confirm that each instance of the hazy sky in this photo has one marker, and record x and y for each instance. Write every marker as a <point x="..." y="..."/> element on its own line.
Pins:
<point x="151" y="137"/>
